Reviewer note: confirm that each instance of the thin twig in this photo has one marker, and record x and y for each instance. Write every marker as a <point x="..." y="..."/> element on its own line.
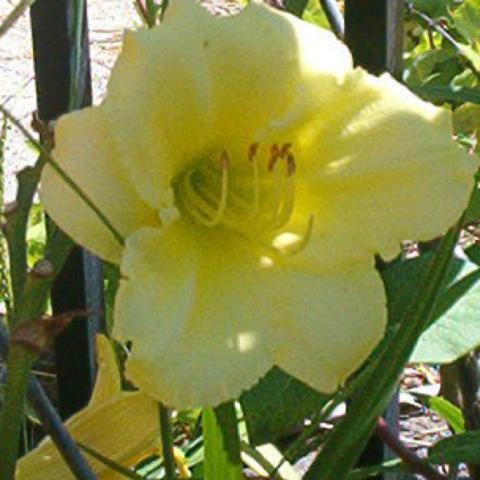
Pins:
<point x="14" y="15"/>
<point x="167" y="442"/>
<point x="415" y="463"/>
<point x="51" y="421"/>
<point x="334" y="17"/>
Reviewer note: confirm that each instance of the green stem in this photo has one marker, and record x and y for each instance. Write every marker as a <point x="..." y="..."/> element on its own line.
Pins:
<point x="348" y="439"/>
<point x="31" y="305"/>
<point x="167" y="442"/>
<point x="19" y="364"/>
<point x="76" y="87"/>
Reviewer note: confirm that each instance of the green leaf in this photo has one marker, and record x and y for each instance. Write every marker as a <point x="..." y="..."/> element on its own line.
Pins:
<point x="315" y="14"/>
<point x="440" y="94"/>
<point x="472" y="213"/>
<point x="432" y="66"/>
<point x="433" y="8"/>
<point x="296" y="7"/>
<point x="461" y="448"/>
<point x="466" y="119"/>
<point x="466" y="19"/>
<point x="390" y="466"/>
<point x="473" y="253"/>
<point x="456" y="329"/>
<point x="448" y="411"/>
<point x="221" y="443"/>
<point x="276" y="404"/>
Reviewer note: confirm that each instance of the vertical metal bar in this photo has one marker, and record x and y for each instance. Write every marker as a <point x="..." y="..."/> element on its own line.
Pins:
<point x="374" y="34"/>
<point x="79" y="286"/>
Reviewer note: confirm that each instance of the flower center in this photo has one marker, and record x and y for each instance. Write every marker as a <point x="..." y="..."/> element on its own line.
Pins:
<point x="253" y="196"/>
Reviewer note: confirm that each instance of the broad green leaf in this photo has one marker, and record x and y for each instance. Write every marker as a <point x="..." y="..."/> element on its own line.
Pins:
<point x="221" y="443"/>
<point x="375" y="471"/>
<point x="456" y="329"/>
<point x="463" y="448"/>
<point x="433" y="8"/>
<point x="466" y="118"/>
<point x="432" y="66"/>
<point x="296" y="6"/>
<point x="276" y="404"/>
<point x="263" y="460"/>
<point x="440" y="94"/>
<point x="315" y="14"/>
<point x="456" y="321"/>
<point x="467" y="19"/>
<point x="449" y="412"/>
<point x="473" y="253"/>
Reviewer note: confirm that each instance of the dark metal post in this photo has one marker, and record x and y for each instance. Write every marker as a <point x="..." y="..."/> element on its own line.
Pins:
<point x="374" y="34"/>
<point x="79" y="286"/>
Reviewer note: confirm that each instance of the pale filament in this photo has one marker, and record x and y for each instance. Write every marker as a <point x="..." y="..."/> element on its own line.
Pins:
<point x="269" y="207"/>
<point x="202" y="212"/>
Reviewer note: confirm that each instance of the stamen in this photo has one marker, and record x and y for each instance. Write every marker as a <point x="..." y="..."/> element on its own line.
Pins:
<point x="200" y="209"/>
<point x="289" y="244"/>
<point x="281" y="153"/>
<point x="286" y="204"/>
<point x="252" y="157"/>
<point x="291" y="165"/>
<point x="274" y="156"/>
<point x="222" y="204"/>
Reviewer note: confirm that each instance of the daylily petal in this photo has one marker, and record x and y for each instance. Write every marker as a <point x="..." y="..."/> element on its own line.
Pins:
<point x="210" y="83"/>
<point x="198" y="309"/>
<point x="122" y="426"/>
<point x="85" y="150"/>
<point x="332" y="322"/>
<point x="375" y="167"/>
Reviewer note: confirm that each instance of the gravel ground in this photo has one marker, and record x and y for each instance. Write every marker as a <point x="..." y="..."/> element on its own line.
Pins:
<point x="107" y="20"/>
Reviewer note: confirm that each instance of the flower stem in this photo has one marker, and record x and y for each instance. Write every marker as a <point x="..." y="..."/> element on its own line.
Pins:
<point x="415" y="463"/>
<point x="19" y="364"/>
<point x="167" y="442"/>
<point x="348" y="439"/>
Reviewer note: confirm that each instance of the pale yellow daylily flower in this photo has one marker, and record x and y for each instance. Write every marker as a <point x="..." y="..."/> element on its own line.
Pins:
<point x="254" y="174"/>
<point x="121" y="426"/>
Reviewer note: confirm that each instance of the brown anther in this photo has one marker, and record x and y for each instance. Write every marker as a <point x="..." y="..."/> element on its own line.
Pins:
<point x="10" y="207"/>
<point x="291" y="165"/>
<point x="252" y="150"/>
<point x="284" y="151"/>
<point x="224" y="160"/>
<point x="274" y="156"/>
<point x="44" y="129"/>
<point x="37" y="335"/>
<point x="43" y="269"/>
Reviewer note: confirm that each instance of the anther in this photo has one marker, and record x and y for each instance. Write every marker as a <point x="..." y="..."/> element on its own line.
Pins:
<point x="274" y="156"/>
<point x="284" y="151"/>
<point x="252" y="151"/>
<point x="224" y="160"/>
<point x="291" y="165"/>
